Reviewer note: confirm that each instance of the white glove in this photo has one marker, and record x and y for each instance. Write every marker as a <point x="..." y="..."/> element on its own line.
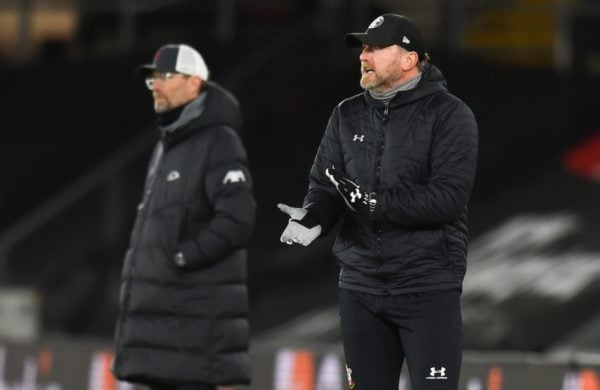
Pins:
<point x="295" y="232"/>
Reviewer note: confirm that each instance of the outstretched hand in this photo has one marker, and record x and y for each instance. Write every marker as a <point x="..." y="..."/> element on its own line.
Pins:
<point x="298" y="231"/>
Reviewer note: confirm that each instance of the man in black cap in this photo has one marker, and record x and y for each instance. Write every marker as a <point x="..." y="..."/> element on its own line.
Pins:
<point x="183" y="321"/>
<point x="396" y="165"/>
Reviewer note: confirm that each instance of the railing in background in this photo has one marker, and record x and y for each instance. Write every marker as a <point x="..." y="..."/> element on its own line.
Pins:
<point x="74" y="364"/>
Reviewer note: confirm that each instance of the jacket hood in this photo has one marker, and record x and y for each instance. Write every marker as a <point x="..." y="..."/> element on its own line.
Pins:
<point x="432" y="81"/>
<point x="221" y="108"/>
<point x="215" y="106"/>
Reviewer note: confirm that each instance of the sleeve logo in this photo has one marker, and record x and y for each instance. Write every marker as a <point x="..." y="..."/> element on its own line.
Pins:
<point x="234" y="177"/>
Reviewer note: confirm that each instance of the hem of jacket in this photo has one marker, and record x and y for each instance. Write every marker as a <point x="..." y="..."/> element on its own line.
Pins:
<point x="399" y="291"/>
<point x="147" y="380"/>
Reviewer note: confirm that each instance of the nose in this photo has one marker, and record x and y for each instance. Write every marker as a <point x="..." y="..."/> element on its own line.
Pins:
<point x="364" y="53"/>
<point x="156" y="86"/>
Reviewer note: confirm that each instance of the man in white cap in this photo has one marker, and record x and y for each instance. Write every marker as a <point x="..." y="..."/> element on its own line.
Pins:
<point x="396" y="165"/>
<point x="183" y="320"/>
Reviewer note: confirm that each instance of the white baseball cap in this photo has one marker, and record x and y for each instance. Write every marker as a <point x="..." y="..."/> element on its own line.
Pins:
<point x="178" y="58"/>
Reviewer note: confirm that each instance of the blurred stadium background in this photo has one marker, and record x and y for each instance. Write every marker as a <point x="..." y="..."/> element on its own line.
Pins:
<point x="77" y="135"/>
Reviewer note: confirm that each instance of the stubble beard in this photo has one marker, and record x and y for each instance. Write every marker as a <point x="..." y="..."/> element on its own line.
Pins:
<point x="159" y="109"/>
<point x="383" y="79"/>
<point x="161" y="106"/>
<point x="370" y="82"/>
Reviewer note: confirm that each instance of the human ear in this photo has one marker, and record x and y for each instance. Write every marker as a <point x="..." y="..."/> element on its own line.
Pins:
<point x="409" y="61"/>
<point x="196" y="83"/>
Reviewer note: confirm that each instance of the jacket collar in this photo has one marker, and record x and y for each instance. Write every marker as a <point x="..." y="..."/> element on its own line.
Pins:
<point x="432" y="81"/>
<point x="215" y="106"/>
<point x="191" y="110"/>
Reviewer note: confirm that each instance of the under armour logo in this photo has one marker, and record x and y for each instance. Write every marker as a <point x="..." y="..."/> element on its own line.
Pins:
<point x="234" y="177"/>
<point x="437" y="374"/>
<point x="360" y="138"/>
<point x="405" y="40"/>
<point x="355" y="195"/>
<point x="173" y="175"/>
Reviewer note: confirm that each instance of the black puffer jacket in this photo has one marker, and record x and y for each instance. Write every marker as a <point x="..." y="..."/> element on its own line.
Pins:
<point x="419" y="155"/>
<point x="190" y="324"/>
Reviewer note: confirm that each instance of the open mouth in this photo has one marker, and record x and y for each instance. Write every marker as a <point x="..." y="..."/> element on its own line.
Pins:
<point x="367" y="70"/>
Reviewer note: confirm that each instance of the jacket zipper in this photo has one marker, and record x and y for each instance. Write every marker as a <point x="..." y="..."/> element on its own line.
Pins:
<point x="381" y="146"/>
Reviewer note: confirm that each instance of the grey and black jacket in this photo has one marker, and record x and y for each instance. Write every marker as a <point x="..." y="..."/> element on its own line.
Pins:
<point x="418" y="153"/>
<point x="187" y="324"/>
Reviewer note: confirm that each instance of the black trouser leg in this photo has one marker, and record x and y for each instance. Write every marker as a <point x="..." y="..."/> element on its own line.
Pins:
<point x="372" y="346"/>
<point x="380" y="331"/>
<point x="431" y="334"/>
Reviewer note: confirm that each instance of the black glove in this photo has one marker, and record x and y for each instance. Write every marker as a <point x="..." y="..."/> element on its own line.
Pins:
<point x="359" y="201"/>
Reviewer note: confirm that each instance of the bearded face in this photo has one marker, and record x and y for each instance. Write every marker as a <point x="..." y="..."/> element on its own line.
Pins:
<point x="381" y="68"/>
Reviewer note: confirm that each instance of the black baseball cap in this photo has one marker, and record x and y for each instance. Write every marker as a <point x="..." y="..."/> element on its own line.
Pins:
<point x="178" y="58"/>
<point x="387" y="30"/>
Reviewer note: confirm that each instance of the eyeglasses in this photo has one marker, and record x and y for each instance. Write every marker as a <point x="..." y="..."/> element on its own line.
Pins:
<point x="150" y="80"/>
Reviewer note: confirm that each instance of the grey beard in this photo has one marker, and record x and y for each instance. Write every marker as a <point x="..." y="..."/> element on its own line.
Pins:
<point x="389" y="95"/>
<point x="192" y="110"/>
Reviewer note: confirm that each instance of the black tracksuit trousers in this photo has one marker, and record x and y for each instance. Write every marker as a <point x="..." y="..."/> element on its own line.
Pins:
<point x="380" y="332"/>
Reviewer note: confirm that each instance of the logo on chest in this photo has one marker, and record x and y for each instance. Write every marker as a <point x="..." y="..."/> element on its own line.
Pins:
<point x="173" y="175"/>
<point x="359" y="138"/>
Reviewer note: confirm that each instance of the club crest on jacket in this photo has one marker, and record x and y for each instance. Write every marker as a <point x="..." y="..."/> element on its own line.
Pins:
<point x="173" y="175"/>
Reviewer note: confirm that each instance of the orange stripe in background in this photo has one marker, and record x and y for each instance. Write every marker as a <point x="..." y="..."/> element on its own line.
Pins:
<point x="304" y="371"/>
<point x="108" y="380"/>
<point x="45" y="361"/>
<point x="588" y="380"/>
<point x="495" y="379"/>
